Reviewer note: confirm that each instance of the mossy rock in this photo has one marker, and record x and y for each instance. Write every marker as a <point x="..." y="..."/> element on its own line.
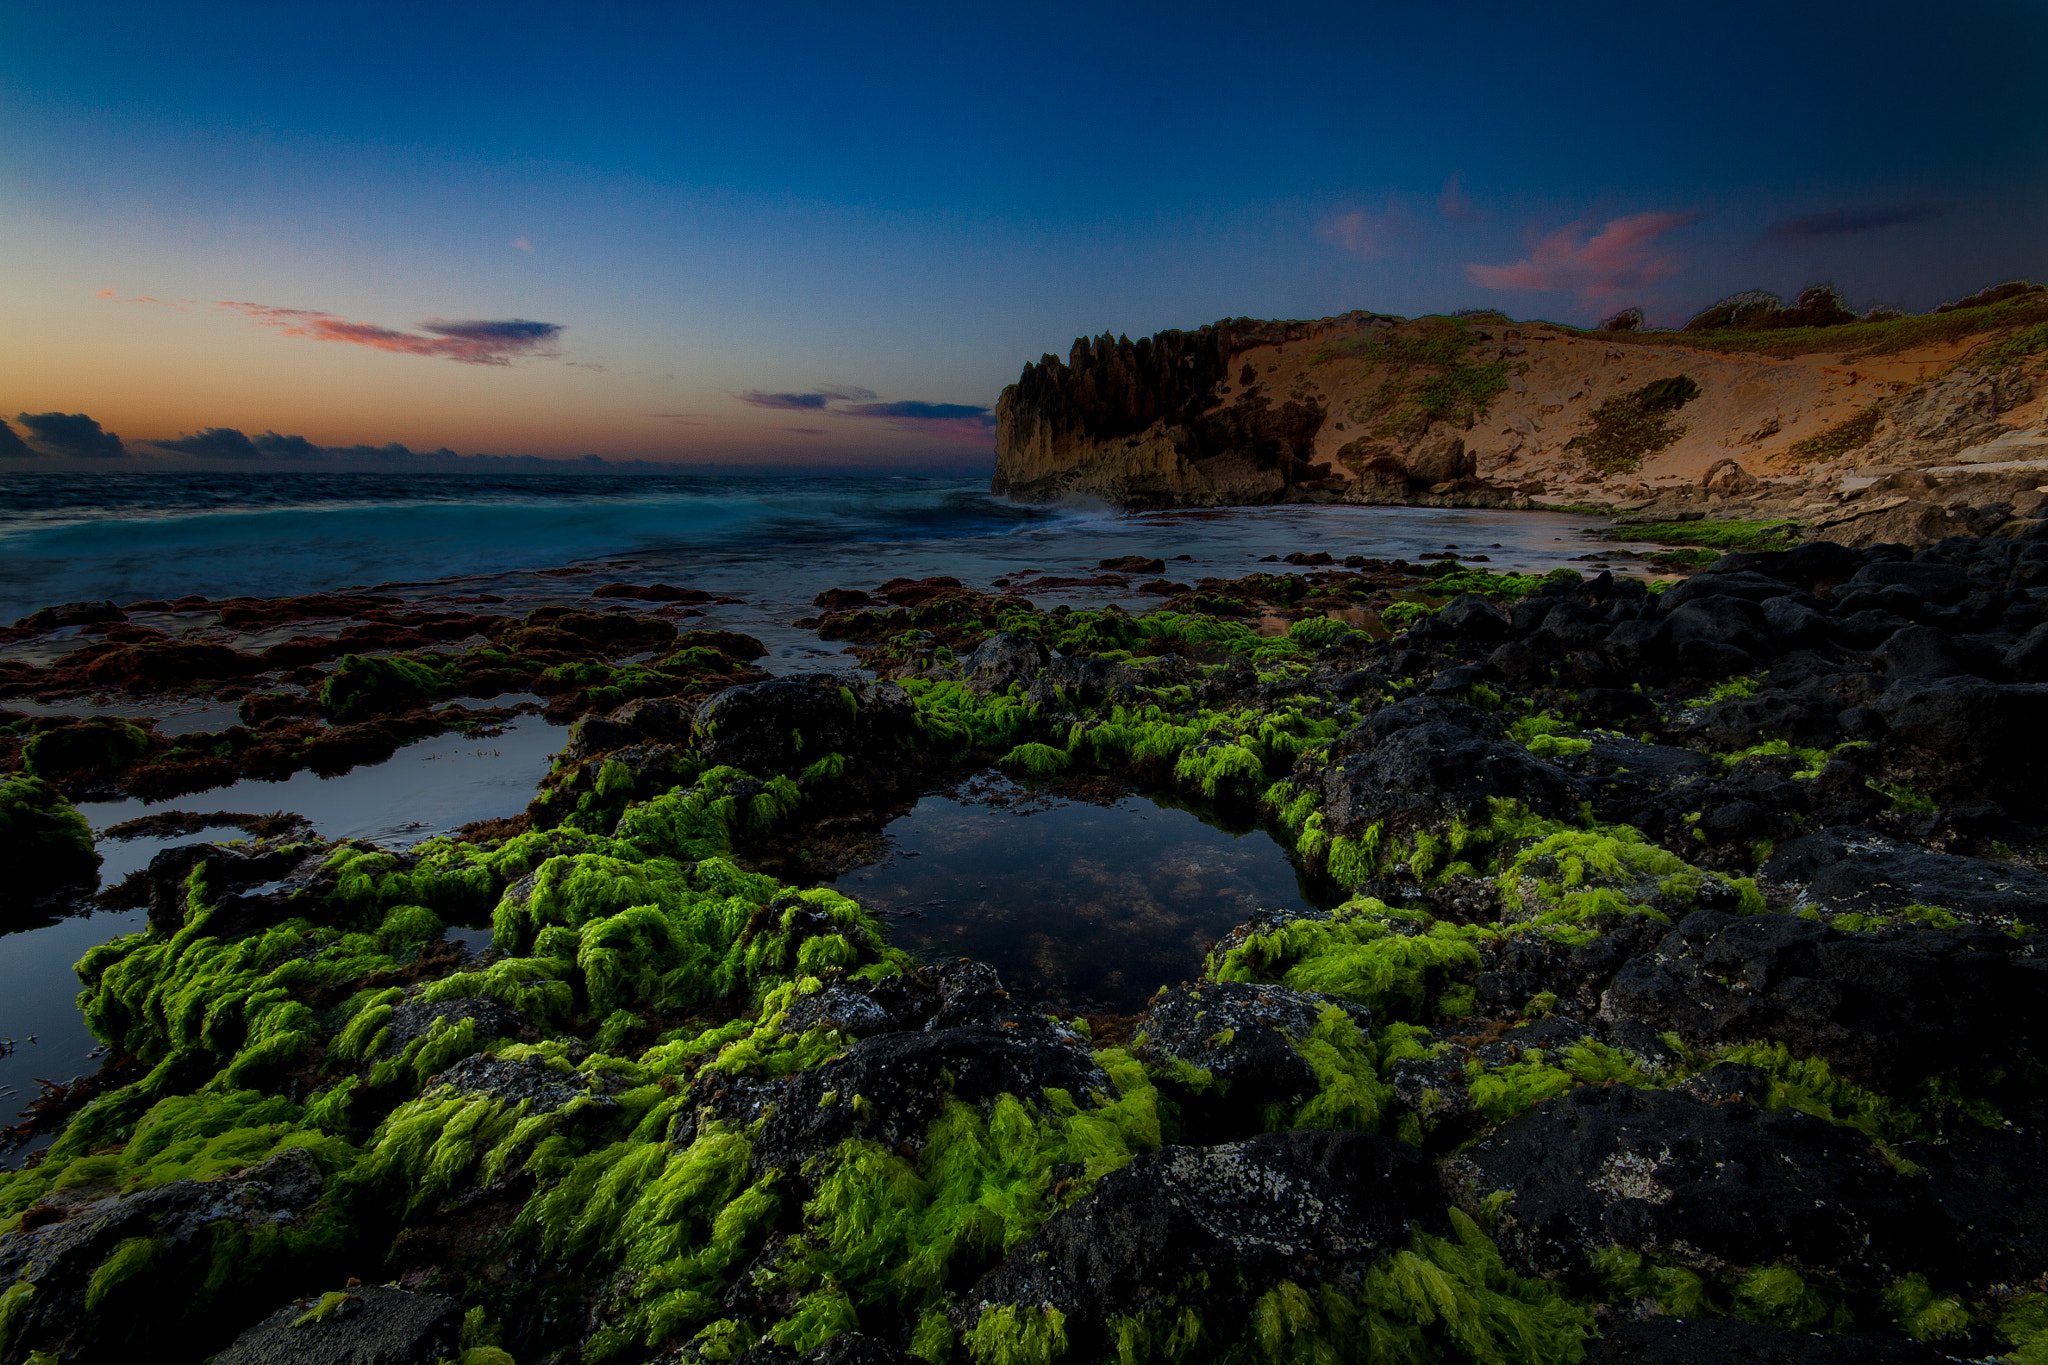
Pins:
<point x="43" y="841"/>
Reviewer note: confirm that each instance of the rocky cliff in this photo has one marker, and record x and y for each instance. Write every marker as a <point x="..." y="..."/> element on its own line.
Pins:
<point x="1944" y="412"/>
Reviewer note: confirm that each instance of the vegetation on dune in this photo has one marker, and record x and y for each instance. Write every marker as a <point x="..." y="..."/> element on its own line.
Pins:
<point x="1628" y="428"/>
<point x="1850" y="434"/>
<point x="1718" y="535"/>
<point x="1434" y="376"/>
<point x="1732" y="327"/>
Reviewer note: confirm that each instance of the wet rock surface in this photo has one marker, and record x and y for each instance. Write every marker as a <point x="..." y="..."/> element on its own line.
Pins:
<point x="370" y="1325"/>
<point x="1722" y="1341"/>
<point x="1663" y="1173"/>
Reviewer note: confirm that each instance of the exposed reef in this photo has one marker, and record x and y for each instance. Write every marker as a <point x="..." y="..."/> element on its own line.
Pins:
<point x="1682" y="1000"/>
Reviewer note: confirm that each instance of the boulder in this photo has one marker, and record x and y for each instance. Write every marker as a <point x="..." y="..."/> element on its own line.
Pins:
<point x="1243" y="1035"/>
<point x="1886" y="1010"/>
<point x="192" y="1224"/>
<point x="1726" y="621"/>
<point x="1700" y="1183"/>
<point x="783" y="724"/>
<point x="1441" y="458"/>
<point x="1803" y="566"/>
<point x="988" y="1047"/>
<point x="416" y="1018"/>
<point x="1989" y="730"/>
<point x="1003" y="658"/>
<point x="1934" y="581"/>
<point x="1437" y="770"/>
<point x="1991" y="1185"/>
<point x="1084" y="679"/>
<point x="1754" y="588"/>
<point x="1300" y="1206"/>
<point x="1795" y="717"/>
<point x="369" y="1325"/>
<point x="1793" y="624"/>
<point x="44" y="843"/>
<point x="1856" y="871"/>
<point x="1922" y="652"/>
<point x="2028" y="659"/>
<point x="529" y="1081"/>
<point x="1474" y="617"/>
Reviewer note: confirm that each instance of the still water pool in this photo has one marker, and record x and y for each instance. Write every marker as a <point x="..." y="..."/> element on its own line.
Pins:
<point x="1080" y="905"/>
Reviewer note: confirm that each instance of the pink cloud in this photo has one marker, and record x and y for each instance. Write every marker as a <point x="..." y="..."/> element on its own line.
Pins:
<point x="1622" y="256"/>
<point x="139" y="298"/>
<point x="1451" y="201"/>
<point x="473" y="343"/>
<point x="1365" y="233"/>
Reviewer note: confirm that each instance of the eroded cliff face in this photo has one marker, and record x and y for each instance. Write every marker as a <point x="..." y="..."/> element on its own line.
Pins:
<point x="1365" y="408"/>
<point x="1163" y="421"/>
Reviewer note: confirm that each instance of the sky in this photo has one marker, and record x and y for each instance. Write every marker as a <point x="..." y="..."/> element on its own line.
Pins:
<point x="322" y="236"/>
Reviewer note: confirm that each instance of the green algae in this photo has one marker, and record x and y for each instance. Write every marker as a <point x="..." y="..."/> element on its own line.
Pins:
<point x="1357" y="953"/>
<point x="1010" y="1334"/>
<point x="363" y="685"/>
<point x="42" y="839"/>
<point x="1036" y="760"/>
<point x="982" y="1183"/>
<point x="1571" y="875"/>
<point x="1436" y="1299"/>
<point x="1924" y="1315"/>
<point x="97" y="745"/>
<point x="1777" y="1294"/>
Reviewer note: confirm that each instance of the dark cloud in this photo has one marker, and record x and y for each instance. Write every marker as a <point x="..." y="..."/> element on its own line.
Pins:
<point x="226" y="443"/>
<point x="813" y="401"/>
<point x="512" y="335"/>
<point x="212" y="443"/>
<point x="12" y="447"/>
<point x="1849" y="222"/>
<point x="923" y="412"/>
<point x="285" y="447"/>
<point x="474" y="342"/>
<point x="71" y="433"/>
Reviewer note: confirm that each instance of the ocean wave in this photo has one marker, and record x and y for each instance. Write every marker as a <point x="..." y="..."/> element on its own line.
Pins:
<point x="226" y="534"/>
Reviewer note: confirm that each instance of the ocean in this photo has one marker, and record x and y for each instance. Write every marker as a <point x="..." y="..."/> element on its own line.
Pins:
<point x="1074" y="901"/>
<point x="773" y="540"/>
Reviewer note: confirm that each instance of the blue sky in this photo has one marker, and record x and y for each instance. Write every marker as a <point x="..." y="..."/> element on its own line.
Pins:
<point x="813" y="235"/>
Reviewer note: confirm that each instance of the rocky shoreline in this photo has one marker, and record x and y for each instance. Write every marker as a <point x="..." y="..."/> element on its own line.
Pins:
<point x="1683" y="1004"/>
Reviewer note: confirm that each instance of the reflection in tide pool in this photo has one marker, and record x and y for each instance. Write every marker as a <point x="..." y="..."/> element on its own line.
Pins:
<point x="428" y="788"/>
<point x="1081" y="906"/>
